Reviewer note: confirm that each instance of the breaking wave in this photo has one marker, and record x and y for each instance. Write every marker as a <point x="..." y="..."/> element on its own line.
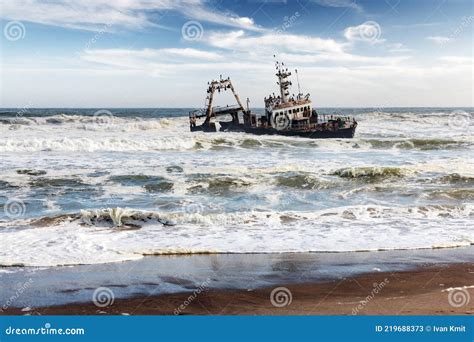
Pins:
<point x="419" y="144"/>
<point x="456" y="178"/>
<point x="118" y="234"/>
<point x="96" y="144"/>
<point x="117" y="217"/>
<point x="86" y="122"/>
<point x="372" y="172"/>
<point x="301" y="180"/>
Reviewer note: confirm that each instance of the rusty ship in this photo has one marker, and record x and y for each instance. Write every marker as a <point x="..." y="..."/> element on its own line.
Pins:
<point x="284" y="114"/>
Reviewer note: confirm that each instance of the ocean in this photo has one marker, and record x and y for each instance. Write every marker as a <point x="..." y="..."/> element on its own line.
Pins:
<point x="87" y="186"/>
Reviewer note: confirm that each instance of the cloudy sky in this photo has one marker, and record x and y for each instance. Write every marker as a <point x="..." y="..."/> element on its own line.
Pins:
<point x="161" y="53"/>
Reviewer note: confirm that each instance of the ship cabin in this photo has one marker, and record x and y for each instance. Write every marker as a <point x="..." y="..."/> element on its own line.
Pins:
<point x="297" y="112"/>
<point x="294" y="113"/>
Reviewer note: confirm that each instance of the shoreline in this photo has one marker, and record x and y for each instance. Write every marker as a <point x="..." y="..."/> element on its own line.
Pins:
<point x="171" y="274"/>
<point x="427" y="289"/>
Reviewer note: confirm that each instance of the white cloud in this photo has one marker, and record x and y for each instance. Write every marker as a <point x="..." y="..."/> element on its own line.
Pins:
<point x="369" y="32"/>
<point x="192" y="53"/>
<point x="398" y="48"/>
<point x="343" y="58"/>
<point x="255" y="51"/>
<point x="243" y="21"/>
<point x="339" y="3"/>
<point x="458" y="60"/>
<point x="158" y="60"/>
<point x="329" y="67"/>
<point x="94" y="14"/>
<point x="439" y="39"/>
<point x="272" y="42"/>
<point x="368" y="86"/>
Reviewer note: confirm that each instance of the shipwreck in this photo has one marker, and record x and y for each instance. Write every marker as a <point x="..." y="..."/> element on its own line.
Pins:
<point x="284" y="114"/>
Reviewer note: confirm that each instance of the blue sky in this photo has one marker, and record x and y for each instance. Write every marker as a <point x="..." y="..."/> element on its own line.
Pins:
<point x="161" y="53"/>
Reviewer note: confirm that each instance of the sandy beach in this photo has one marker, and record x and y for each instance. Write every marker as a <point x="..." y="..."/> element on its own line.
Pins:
<point x="444" y="289"/>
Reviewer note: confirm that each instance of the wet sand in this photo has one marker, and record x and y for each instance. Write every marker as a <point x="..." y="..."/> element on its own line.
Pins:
<point x="426" y="290"/>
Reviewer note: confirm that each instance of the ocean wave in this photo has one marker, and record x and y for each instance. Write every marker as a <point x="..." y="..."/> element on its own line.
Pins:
<point x="96" y="144"/>
<point x="206" y="141"/>
<point x="149" y="183"/>
<point x="301" y="180"/>
<point x="119" y="216"/>
<point x="455" y="178"/>
<point x="371" y="172"/>
<point x="410" y="116"/>
<point x="4" y="185"/>
<point x="118" y="234"/>
<point x="216" y="184"/>
<point x="456" y="194"/>
<point x="94" y="123"/>
<point x="419" y="144"/>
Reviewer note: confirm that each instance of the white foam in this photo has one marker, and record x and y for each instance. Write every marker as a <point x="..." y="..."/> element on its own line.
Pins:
<point x="355" y="228"/>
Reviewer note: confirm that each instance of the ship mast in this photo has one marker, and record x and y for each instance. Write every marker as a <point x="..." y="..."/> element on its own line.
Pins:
<point x="283" y="82"/>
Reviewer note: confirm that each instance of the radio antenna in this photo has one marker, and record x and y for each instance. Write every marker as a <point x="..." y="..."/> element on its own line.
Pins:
<point x="298" y="80"/>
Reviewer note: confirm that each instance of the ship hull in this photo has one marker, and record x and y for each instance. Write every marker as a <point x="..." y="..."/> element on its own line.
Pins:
<point x="313" y="134"/>
<point x="324" y="134"/>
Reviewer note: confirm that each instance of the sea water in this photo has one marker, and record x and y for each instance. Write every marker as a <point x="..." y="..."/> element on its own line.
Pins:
<point x="83" y="186"/>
